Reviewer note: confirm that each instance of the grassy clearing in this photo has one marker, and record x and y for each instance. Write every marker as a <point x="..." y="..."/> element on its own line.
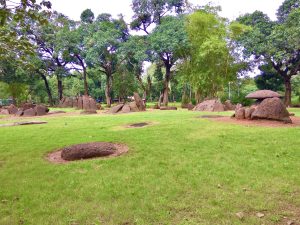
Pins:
<point x="182" y="170"/>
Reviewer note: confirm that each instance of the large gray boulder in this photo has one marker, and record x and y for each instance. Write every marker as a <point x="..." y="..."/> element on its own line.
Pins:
<point x="41" y="110"/>
<point x="116" y="108"/>
<point x="210" y="106"/>
<point x="228" y="106"/>
<point x="29" y="112"/>
<point x="133" y="107"/>
<point x="125" y="109"/>
<point x="240" y="113"/>
<point x="271" y="108"/>
<point x="139" y="102"/>
<point x="263" y="94"/>
<point x="12" y="109"/>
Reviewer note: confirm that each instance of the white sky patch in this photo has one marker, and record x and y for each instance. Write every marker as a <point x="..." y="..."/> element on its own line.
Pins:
<point x="230" y="8"/>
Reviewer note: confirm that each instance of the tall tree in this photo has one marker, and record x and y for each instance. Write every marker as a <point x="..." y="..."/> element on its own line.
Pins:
<point x="171" y="29"/>
<point x="106" y="35"/>
<point x="149" y="13"/>
<point x="209" y="64"/>
<point x="50" y="42"/>
<point x="275" y="43"/>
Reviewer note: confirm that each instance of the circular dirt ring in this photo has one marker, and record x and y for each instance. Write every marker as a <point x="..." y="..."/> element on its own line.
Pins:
<point x="87" y="151"/>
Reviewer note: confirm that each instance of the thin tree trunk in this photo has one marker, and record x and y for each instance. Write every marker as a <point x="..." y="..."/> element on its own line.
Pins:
<point x="59" y="88"/>
<point x="288" y="91"/>
<point x="108" y="90"/>
<point x="86" y="89"/>
<point x="166" y="86"/>
<point x="48" y="90"/>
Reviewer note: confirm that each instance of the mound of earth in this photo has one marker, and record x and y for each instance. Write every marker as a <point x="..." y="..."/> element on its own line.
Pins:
<point x="87" y="151"/>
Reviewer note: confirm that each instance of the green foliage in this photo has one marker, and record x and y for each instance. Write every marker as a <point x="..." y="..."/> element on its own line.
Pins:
<point x="87" y="16"/>
<point x="169" y="39"/>
<point x="286" y="8"/>
<point x="209" y="65"/>
<point x="148" y="12"/>
<point x="269" y="79"/>
<point x="274" y="43"/>
<point x="14" y="19"/>
<point x="296" y="86"/>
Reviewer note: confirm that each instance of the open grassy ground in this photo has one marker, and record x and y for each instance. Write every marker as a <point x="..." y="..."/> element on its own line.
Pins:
<point x="181" y="170"/>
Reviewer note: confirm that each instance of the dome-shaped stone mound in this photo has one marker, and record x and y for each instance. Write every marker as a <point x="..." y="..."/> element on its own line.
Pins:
<point x="88" y="150"/>
<point x="262" y="94"/>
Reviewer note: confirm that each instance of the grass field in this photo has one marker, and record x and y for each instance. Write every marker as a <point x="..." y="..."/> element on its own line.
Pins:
<point x="181" y="170"/>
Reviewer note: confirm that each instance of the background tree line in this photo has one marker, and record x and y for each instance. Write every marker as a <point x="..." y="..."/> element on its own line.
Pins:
<point x="193" y="52"/>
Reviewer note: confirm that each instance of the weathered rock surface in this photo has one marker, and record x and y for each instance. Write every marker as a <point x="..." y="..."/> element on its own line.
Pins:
<point x="262" y="94"/>
<point x="29" y="112"/>
<point x="125" y="109"/>
<point x="116" y="108"/>
<point x="41" y="110"/>
<point x="228" y="106"/>
<point x="133" y="107"/>
<point x="240" y="113"/>
<point x="139" y="102"/>
<point x="248" y="112"/>
<point x="4" y="112"/>
<point x="271" y="108"/>
<point x="12" y="109"/>
<point x="210" y="106"/>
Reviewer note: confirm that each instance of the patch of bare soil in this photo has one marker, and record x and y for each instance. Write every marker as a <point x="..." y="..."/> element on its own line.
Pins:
<point x="138" y="124"/>
<point x="22" y="123"/>
<point x="290" y="215"/>
<point x="210" y="116"/>
<point x="261" y="123"/>
<point x="87" y="151"/>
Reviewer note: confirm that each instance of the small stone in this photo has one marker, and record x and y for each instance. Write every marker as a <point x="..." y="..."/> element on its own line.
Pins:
<point x="260" y="215"/>
<point x="240" y="215"/>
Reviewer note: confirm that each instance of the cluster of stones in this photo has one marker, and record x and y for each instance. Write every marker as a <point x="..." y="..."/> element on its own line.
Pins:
<point x="157" y="106"/>
<point x="268" y="105"/>
<point x="214" y="105"/>
<point x="136" y="106"/>
<point x="26" y="109"/>
<point x="188" y="106"/>
<point x="86" y="103"/>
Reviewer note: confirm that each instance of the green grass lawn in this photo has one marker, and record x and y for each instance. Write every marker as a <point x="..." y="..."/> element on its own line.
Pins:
<point x="181" y="170"/>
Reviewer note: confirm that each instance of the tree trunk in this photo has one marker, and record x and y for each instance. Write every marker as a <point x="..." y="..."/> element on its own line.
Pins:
<point x="166" y="86"/>
<point x="59" y="88"/>
<point x="48" y="90"/>
<point x="108" y="90"/>
<point x="288" y="91"/>
<point x="86" y="89"/>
